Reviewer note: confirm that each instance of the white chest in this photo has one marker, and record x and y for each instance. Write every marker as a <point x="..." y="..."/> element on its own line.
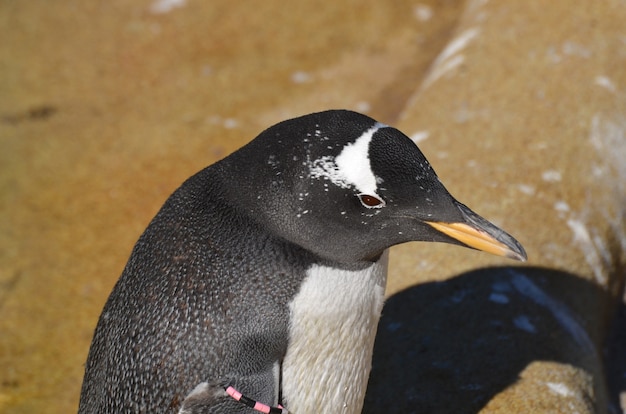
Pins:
<point x="332" y="330"/>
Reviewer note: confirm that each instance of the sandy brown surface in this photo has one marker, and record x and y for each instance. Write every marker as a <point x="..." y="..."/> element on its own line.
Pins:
<point x="106" y="107"/>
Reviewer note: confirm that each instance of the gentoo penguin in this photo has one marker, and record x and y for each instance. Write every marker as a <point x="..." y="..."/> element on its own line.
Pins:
<point x="259" y="284"/>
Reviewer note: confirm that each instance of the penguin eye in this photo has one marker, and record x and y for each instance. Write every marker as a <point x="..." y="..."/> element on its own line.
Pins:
<point x="371" y="201"/>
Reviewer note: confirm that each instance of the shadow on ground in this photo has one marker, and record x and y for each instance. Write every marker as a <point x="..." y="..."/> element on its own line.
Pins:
<point x="450" y="347"/>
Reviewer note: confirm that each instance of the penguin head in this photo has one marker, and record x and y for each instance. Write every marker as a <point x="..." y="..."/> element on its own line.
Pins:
<point x="345" y="187"/>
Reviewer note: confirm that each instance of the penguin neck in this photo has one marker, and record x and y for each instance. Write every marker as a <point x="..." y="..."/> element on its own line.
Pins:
<point x="333" y="321"/>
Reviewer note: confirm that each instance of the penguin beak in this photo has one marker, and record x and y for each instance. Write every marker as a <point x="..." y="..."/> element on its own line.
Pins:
<point x="478" y="233"/>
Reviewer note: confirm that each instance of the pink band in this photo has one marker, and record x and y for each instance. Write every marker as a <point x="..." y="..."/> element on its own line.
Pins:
<point x="233" y="393"/>
<point x="263" y="408"/>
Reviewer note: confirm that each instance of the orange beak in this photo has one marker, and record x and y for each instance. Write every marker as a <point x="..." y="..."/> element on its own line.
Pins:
<point x="477" y="238"/>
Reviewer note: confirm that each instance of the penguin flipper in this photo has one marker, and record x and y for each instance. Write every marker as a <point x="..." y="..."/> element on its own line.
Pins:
<point x="216" y="397"/>
<point x="203" y="399"/>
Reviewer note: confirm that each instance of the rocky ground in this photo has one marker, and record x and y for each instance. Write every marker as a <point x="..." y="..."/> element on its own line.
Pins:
<point x="106" y="107"/>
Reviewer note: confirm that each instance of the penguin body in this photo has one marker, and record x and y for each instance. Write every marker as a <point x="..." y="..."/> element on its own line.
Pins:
<point x="265" y="272"/>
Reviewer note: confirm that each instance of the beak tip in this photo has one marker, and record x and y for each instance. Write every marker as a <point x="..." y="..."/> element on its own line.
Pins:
<point x="514" y="249"/>
<point x="517" y="255"/>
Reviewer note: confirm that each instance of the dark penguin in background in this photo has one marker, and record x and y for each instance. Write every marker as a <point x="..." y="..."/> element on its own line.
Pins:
<point x="264" y="274"/>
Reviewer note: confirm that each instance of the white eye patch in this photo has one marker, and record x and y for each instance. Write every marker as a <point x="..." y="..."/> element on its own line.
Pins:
<point x="351" y="168"/>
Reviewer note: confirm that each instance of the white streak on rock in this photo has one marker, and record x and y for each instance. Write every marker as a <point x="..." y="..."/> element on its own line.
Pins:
<point x="165" y="6"/>
<point x="526" y="189"/>
<point x="560" y="388"/>
<point x="230" y="123"/>
<point x="301" y="77"/>
<point x="606" y="83"/>
<point x="590" y="251"/>
<point x="563" y="315"/>
<point x="608" y="137"/>
<point x="423" y="12"/>
<point x="500" y="298"/>
<point x="570" y="48"/>
<point x="420" y="136"/>
<point x="551" y="176"/>
<point x="561" y="206"/>
<point x="451" y="56"/>
<point x="363" y="106"/>
<point x="523" y="322"/>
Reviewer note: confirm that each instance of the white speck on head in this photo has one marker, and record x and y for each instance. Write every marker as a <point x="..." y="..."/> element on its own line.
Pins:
<point x="301" y="77"/>
<point x="423" y="12"/>
<point x="560" y="388"/>
<point x="272" y="161"/>
<point x="523" y="322"/>
<point x="551" y="176"/>
<point x="419" y="136"/>
<point x="325" y="167"/>
<point x="165" y="6"/>
<point x="500" y="298"/>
